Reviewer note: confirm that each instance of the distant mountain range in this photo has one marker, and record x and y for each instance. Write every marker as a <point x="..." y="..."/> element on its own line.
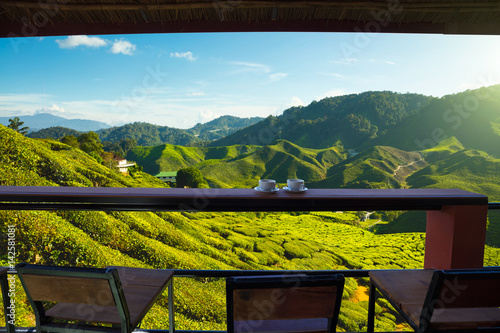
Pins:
<point x="46" y="120"/>
<point x="151" y="135"/>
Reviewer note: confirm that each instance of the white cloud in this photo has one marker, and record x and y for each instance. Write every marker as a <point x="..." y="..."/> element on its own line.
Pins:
<point x="295" y="102"/>
<point x="20" y="104"/>
<point x="53" y="109"/>
<point x="250" y="67"/>
<point x="390" y="62"/>
<point x="345" y="61"/>
<point x="197" y="93"/>
<point x="337" y="75"/>
<point x="207" y="115"/>
<point x="123" y="46"/>
<point x="277" y="77"/>
<point x="183" y="55"/>
<point x="74" y="41"/>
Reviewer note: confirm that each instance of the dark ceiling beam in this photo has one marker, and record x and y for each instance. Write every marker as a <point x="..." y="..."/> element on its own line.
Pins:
<point x="63" y="29"/>
<point x="437" y="6"/>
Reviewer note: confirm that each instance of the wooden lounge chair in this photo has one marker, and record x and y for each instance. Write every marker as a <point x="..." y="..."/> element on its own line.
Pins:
<point x="441" y="301"/>
<point x="283" y="303"/>
<point x="119" y="296"/>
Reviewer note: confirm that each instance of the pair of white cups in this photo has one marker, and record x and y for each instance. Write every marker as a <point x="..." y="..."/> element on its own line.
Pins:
<point x="292" y="184"/>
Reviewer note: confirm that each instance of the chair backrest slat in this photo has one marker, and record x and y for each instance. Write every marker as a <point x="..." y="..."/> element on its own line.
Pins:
<point x="69" y="289"/>
<point x="473" y="289"/>
<point x="280" y="303"/>
<point x="289" y="303"/>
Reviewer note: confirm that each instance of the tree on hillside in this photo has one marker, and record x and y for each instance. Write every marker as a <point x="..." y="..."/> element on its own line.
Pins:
<point x="16" y="123"/>
<point x="90" y="142"/>
<point x="191" y="177"/>
<point x="127" y="144"/>
<point x="113" y="147"/>
<point x="70" y="140"/>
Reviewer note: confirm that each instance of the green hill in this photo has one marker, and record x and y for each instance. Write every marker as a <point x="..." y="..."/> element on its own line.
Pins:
<point x="452" y="166"/>
<point x="25" y="161"/>
<point x="241" y="165"/>
<point x="472" y="117"/>
<point x="467" y="169"/>
<point x="54" y="133"/>
<point x="351" y="120"/>
<point x="147" y="134"/>
<point x="221" y="127"/>
<point x="150" y="135"/>
<point x="378" y="167"/>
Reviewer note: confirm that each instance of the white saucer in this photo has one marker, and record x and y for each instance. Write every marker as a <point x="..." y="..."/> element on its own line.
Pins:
<point x="258" y="188"/>
<point x="286" y="188"/>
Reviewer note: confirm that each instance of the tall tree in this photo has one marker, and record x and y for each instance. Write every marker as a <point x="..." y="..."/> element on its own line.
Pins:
<point x="90" y="142"/>
<point x="70" y="140"/>
<point x="191" y="177"/>
<point x="16" y="123"/>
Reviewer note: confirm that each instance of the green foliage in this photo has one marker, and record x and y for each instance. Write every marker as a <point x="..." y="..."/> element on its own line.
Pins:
<point x="70" y="140"/>
<point x="16" y="124"/>
<point x="145" y="134"/>
<point x="121" y="148"/>
<point x="472" y="117"/>
<point x="90" y="142"/>
<point x="25" y="161"/>
<point x="190" y="177"/>
<point x="378" y="167"/>
<point x="221" y="127"/>
<point x="56" y="133"/>
<point x="467" y="169"/>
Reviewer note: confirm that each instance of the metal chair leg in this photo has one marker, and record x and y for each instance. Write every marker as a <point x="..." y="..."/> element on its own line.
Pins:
<point x="371" y="308"/>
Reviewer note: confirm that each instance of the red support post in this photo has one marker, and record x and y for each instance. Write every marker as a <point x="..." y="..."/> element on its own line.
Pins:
<point x="455" y="237"/>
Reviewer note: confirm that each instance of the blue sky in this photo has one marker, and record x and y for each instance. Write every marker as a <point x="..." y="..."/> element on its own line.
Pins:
<point x="179" y="80"/>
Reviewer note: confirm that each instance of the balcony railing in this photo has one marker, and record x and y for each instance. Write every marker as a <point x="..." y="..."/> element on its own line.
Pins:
<point x="453" y="215"/>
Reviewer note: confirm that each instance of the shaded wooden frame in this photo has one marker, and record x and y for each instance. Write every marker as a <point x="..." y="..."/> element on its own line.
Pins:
<point x="6" y="298"/>
<point x="90" y="280"/>
<point x="288" y="282"/>
<point x="475" y="288"/>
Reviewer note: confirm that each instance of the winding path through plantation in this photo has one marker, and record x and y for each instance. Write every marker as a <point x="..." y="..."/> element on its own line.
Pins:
<point x="407" y="165"/>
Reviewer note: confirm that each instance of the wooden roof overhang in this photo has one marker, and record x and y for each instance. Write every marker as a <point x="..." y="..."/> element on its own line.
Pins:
<point x="31" y="18"/>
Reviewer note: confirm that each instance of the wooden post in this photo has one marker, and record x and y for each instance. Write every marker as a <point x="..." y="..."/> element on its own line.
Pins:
<point x="455" y="237"/>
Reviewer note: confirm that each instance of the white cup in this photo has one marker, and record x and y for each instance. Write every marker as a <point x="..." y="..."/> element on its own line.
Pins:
<point x="295" y="184"/>
<point x="267" y="184"/>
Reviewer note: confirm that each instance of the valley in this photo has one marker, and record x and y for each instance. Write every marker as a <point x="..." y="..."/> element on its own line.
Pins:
<point x="314" y="143"/>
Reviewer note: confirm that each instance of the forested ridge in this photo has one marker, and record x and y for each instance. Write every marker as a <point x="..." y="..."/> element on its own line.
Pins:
<point x="351" y="120"/>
